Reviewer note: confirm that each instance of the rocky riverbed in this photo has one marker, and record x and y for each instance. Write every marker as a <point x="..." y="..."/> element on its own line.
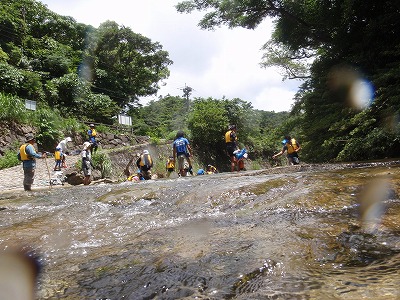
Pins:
<point x="279" y="233"/>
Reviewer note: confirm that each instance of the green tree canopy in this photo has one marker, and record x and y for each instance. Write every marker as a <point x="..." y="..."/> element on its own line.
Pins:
<point x="333" y="46"/>
<point x="126" y="65"/>
<point x="72" y="66"/>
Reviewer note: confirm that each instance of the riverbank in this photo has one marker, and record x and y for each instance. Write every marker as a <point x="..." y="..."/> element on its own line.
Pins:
<point x="11" y="179"/>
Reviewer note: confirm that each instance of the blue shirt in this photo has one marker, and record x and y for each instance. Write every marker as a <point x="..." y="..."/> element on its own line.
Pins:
<point x="92" y="138"/>
<point x="180" y="144"/>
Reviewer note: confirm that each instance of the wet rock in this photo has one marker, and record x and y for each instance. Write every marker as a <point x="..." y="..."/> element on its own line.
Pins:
<point x="74" y="178"/>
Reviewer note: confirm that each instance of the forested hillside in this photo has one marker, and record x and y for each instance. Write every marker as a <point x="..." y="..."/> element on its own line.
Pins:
<point x="78" y="73"/>
<point x="341" y="50"/>
<point x="84" y="72"/>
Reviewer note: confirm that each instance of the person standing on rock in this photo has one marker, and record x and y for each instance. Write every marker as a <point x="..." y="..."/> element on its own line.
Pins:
<point x="27" y="154"/>
<point x="182" y="151"/>
<point x="170" y="166"/>
<point x="232" y="146"/>
<point x="92" y="133"/>
<point x="86" y="162"/>
<point x="58" y="158"/>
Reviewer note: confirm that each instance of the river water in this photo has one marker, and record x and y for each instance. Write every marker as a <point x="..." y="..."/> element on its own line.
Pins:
<point x="301" y="232"/>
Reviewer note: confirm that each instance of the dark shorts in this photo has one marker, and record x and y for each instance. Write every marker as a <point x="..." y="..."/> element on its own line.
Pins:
<point x="230" y="149"/>
<point x="294" y="158"/>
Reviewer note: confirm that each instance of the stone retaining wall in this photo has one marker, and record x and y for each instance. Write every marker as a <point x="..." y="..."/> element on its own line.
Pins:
<point x="12" y="135"/>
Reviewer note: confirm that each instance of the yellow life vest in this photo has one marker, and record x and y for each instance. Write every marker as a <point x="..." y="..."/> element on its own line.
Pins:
<point x="145" y="160"/>
<point x="228" y="138"/>
<point x="57" y="155"/>
<point x="211" y="170"/>
<point x="170" y="164"/>
<point x="291" y="146"/>
<point x="24" y="155"/>
<point x="94" y="133"/>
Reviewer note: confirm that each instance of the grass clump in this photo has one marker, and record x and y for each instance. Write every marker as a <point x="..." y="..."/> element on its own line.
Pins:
<point x="9" y="160"/>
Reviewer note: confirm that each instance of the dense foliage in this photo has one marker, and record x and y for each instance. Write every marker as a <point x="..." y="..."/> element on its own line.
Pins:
<point x="205" y="123"/>
<point x="340" y="49"/>
<point x="79" y="73"/>
<point x="84" y="72"/>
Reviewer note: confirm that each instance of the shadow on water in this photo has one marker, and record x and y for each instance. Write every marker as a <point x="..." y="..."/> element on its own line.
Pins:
<point x="289" y="233"/>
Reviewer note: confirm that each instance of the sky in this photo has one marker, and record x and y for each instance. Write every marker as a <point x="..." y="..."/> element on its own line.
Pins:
<point x="219" y="63"/>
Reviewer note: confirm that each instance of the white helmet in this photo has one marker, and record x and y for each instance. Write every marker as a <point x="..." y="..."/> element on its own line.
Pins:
<point x="68" y="139"/>
<point x="86" y="145"/>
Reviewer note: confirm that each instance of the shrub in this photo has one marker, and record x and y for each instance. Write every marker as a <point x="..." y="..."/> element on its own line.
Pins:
<point x="9" y="160"/>
<point x="49" y="125"/>
<point x="102" y="162"/>
<point x="12" y="108"/>
<point x="72" y="126"/>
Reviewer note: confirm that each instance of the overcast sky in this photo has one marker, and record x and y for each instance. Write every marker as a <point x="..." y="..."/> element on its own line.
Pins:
<point x="219" y="63"/>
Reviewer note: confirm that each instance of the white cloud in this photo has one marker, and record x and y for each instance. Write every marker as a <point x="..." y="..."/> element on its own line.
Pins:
<point x="216" y="63"/>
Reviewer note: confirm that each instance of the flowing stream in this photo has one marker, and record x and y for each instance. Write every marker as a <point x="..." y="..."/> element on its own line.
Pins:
<point x="302" y="232"/>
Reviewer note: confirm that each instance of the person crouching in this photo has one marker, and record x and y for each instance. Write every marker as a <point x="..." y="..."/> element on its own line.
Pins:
<point x="145" y="163"/>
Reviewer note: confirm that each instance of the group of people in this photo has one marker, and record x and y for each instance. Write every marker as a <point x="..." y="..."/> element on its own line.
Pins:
<point x="89" y="147"/>
<point x="181" y="153"/>
<point x="289" y="145"/>
<point x="86" y="154"/>
<point x="181" y="156"/>
<point x="28" y="155"/>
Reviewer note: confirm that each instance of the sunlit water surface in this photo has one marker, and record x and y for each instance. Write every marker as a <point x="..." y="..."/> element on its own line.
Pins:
<point x="290" y="233"/>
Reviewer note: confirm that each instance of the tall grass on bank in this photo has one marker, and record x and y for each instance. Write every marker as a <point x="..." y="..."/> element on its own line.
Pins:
<point x="9" y="159"/>
<point x="102" y="162"/>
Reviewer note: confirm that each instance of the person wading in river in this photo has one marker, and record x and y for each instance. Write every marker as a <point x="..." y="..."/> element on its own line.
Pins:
<point x="145" y="163"/>
<point x="292" y="147"/>
<point x="28" y="155"/>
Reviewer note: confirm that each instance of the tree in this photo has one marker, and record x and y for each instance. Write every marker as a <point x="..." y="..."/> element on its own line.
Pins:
<point x="126" y="65"/>
<point x="41" y="58"/>
<point x="207" y="123"/>
<point x="160" y="118"/>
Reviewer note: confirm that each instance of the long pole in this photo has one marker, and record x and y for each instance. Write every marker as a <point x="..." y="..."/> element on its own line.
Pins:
<point x="48" y="171"/>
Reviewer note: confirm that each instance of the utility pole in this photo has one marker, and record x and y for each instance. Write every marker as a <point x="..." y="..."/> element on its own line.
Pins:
<point x="187" y="90"/>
